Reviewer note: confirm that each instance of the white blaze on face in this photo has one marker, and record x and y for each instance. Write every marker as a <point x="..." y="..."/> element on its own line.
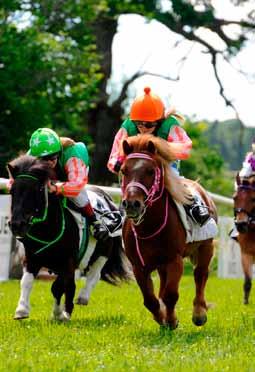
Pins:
<point x="138" y="165"/>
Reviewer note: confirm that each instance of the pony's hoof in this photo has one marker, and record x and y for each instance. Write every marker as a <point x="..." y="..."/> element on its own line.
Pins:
<point x="245" y="302"/>
<point x="19" y="315"/>
<point x="169" y="326"/>
<point x="199" y="320"/>
<point x="82" y="301"/>
<point x="65" y="317"/>
<point x="174" y="325"/>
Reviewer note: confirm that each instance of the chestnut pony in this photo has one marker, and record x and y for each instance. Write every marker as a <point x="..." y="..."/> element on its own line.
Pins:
<point x="153" y="234"/>
<point x="244" y="211"/>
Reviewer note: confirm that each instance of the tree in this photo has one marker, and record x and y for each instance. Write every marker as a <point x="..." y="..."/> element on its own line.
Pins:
<point x="45" y="80"/>
<point x="206" y="164"/>
<point x="90" y="27"/>
<point x="184" y="18"/>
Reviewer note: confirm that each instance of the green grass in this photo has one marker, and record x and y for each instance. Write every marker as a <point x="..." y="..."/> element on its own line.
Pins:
<point x="116" y="333"/>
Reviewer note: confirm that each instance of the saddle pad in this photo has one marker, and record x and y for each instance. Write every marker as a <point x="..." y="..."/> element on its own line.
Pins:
<point x="103" y="213"/>
<point x="111" y="219"/>
<point x="85" y="249"/>
<point x="194" y="232"/>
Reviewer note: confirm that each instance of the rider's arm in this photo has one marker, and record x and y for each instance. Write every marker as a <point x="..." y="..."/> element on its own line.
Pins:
<point x="77" y="177"/>
<point x="246" y="170"/>
<point x="178" y="135"/>
<point x="116" y="156"/>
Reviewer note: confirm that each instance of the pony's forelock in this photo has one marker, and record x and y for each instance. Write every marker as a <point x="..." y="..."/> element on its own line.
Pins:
<point x="32" y="165"/>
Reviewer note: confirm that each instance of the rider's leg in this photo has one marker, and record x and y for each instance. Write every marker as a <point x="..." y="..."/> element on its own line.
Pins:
<point x="99" y="231"/>
<point x="198" y="211"/>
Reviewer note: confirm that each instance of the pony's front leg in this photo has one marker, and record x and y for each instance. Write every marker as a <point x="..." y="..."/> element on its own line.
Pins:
<point x="92" y="277"/>
<point x="205" y="253"/>
<point x="247" y="261"/>
<point x="151" y="302"/>
<point x="58" y="289"/>
<point x="23" y="308"/>
<point x="63" y="284"/>
<point x="170" y="275"/>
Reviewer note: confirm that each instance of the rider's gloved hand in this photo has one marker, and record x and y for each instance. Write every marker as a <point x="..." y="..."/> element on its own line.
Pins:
<point x="52" y="188"/>
<point x="99" y="231"/>
<point x="117" y="166"/>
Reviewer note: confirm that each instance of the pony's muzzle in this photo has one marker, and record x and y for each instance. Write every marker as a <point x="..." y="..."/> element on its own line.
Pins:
<point x="133" y="208"/>
<point x="18" y="228"/>
<point x="241" y="226"/>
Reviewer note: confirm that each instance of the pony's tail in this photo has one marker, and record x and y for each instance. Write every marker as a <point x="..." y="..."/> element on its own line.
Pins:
<point x="117" y="268"/>
<point x="177" y="187"/>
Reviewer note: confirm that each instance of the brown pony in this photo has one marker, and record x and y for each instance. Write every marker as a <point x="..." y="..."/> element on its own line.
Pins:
<point x="153" y="234"/>
<point x="244" y="211"/>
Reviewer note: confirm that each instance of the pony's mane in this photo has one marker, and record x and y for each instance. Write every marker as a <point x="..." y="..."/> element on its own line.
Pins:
<point x="26" y="164"/>
<point x="166" y="152"/>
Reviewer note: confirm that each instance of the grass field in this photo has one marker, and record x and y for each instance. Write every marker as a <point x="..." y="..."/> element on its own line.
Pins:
<point x="116" y="333"/>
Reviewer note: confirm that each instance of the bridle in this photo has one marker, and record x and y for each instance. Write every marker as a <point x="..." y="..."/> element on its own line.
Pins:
<point x="158" y="176"/>
<point x="251" y="216"/>
<point x="151" y="198"/>
<point x="35" y="220"/>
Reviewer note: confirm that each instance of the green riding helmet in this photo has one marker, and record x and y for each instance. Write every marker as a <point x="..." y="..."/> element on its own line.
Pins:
<point x="43" y="142"/>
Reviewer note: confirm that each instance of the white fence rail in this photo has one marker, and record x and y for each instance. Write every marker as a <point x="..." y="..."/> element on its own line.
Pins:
<point x="229" y="251"/>
<point x="115" y="191"/>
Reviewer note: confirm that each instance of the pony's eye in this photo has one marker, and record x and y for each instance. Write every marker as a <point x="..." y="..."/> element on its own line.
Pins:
<point x="150" y="172"/>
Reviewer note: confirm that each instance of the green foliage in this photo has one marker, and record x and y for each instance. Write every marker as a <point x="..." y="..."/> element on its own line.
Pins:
<point x="206" y="163"/>
<point x="232" y="139"/>
<point x="115" y="332"/>
<point x="46" y="79"/>
<point x="54" y="71"/>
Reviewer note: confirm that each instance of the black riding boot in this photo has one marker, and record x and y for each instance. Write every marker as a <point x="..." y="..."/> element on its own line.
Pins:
<point x="198" y="211"/>
<point x="99" y="231"/>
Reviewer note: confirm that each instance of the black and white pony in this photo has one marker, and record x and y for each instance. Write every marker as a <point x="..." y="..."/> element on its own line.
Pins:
<point x="53" y="239"/>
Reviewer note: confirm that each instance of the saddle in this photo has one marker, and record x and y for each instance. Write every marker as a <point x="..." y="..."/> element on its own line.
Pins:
<point x="195" y="232"/>
<point x="107" y="213"/>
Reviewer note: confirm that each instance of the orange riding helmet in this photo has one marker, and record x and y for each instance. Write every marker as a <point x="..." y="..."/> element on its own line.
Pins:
<point x="148" y="107"/>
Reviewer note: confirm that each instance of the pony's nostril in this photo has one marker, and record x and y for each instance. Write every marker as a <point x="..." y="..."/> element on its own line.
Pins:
<point x="137" y="204"/>
<point x="124" y="203"/>
<point x="242" y="227"/>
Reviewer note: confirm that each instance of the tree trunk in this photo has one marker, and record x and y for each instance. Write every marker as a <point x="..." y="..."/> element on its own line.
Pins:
<point x="106" y="121"/>
<point x="103" y="120"/>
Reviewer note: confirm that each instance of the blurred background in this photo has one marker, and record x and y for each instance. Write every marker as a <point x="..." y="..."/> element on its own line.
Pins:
<point x="76" y="65"/>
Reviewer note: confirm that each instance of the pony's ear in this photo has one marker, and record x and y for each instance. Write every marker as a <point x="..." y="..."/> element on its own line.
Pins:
<point x="151" y="147"/>
<point x="127" y="148"/>
<point x="11" y="170"/>
<point x="238" y="180"/>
